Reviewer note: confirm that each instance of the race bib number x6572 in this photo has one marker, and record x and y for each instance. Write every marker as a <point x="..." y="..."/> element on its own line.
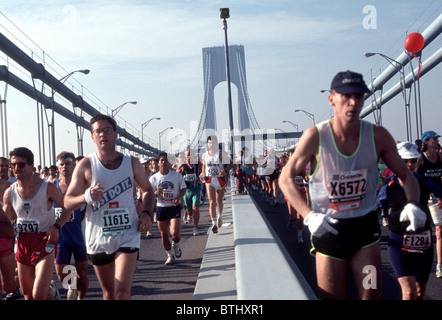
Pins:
<point x="347" y="189"/>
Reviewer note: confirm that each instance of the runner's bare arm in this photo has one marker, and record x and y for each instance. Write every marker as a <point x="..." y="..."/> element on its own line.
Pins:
<point x="6" y="228"/>
<point x="7" y="207"/>
<point x="54" y="195"/>
<point x="387" y="150"/>
<point x="81" y="179"/>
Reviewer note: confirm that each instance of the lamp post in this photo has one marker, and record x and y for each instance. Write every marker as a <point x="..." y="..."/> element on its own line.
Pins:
<point x="117" y="109"/>
<point x="159" y="137"/>
<point x="173" y="139"/>
<point x="400" y="67"/>
<point x="225" y="14"/>
<point x="143" y="125"/>
<point x="293" y="124"/>
<point x="52" y="124"/>
<point x="310" y="115"/>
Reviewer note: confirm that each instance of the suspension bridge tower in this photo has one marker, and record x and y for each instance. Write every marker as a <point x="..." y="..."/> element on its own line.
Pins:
<point x="214" y="71"/>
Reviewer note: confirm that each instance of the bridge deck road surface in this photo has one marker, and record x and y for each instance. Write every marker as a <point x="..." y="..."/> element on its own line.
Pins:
<point x="277" y="217"/>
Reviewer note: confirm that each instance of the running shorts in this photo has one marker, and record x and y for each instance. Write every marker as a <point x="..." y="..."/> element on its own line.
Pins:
<point x="354" y="234"/>
<point x="64" y="254"/>
<point x="248" y="171"/>
<point x="100" y="259"/>
<point x="31" y="248"/>
<point x="409" y="264"/>
<point x="167" y="213"/>
<point x="218" y="182"/>
<point x="192" y="198"/>
<point x="6" y="247"/>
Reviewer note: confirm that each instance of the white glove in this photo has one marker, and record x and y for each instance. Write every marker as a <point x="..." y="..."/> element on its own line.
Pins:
<point x="415" y="215"/>
<point x="319" y="224"/>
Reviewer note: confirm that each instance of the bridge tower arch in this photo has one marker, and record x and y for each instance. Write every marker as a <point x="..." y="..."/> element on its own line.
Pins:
<point x="214" y="70"/>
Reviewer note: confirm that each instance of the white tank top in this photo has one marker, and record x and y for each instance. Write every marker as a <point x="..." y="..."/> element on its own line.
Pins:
<point x="113" y="224"/>
<point x="33" y="215"/>
<point x="345" y="186"/>
<point x="213" y="164"/>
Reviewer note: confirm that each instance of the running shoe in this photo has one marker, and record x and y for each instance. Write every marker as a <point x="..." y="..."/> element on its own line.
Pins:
<point x="219" y="221"/>
<point x="149" y="234"/>
<point x="195" y="231"/>
<point x="14" y="295"/>
<point x="170" y="260"/>
<point x="439" y="271"/>
<point x="72" y="294"/>
<point x="55" y="293"/>
<point x="214" y="228"/>
<point x="177" y="251"/>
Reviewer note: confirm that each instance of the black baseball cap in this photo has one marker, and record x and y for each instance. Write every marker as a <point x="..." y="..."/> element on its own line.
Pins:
<point x="349" y="82"/>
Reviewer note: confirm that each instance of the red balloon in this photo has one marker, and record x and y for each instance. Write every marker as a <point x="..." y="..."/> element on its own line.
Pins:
<point x="414" y="42"/>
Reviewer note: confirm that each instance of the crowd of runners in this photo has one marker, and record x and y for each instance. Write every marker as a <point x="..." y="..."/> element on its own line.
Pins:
<point x="344" y="176"/>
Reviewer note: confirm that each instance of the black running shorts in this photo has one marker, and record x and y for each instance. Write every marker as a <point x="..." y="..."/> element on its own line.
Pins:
<point x="354" y="235"/>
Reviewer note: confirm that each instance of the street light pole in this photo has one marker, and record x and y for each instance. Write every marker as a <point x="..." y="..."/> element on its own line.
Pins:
<point x="117" y="109"/>
<point x="159" y="137"/>
<point x="52" y="124"/>
<point x="143" y="125"/>
<point x="293" y="124"/>
<point x="400" y="68"/>
<point x="310" y="115"/>
<point x="225" y="14"/>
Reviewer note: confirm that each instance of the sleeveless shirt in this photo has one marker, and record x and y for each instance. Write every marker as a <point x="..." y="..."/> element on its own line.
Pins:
<point x="190" y="174"/>
<point x="33" y="215"/>
<point x="344" y="186"/>
<point x="213" y="164"/>
<point x="431" y="170"/>
<point x="71" y="234"/>
<point x="114" y="222"/>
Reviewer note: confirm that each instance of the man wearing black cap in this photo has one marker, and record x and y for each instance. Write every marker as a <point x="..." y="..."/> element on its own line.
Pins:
<point x="343" y="153"/>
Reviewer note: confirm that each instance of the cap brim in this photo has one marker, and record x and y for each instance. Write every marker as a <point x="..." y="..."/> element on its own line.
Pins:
<point x="347" y="89"/>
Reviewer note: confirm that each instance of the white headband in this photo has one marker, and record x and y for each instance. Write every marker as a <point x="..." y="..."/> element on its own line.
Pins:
<point x="65" y="159"/>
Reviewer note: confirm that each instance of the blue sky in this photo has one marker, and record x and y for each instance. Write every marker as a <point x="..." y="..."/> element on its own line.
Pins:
<point x="151" y="52"/>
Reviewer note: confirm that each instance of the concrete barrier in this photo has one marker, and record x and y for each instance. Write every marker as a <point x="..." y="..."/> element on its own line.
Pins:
<point x="263" y="268"/>
<point x="245" y="260"/>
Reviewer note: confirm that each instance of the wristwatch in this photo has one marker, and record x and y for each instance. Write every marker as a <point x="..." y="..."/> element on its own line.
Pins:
<point x="57" y="226"/>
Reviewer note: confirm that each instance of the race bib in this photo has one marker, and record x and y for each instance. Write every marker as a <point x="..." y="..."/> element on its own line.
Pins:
<point x="190" y="177"/>
<point x="167" y="195"/>
<point x="347" y="189"/>
<point x="213" y="170"/>
<point x="416" y="242"/>
<point x="28" y="225"/>
<point x="115" y="221"/>
<point x="58" y="212"/>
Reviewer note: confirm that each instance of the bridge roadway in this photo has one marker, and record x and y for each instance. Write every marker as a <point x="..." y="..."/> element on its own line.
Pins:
<point x="277" y="217"/>
<point x="155" y="281"/>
